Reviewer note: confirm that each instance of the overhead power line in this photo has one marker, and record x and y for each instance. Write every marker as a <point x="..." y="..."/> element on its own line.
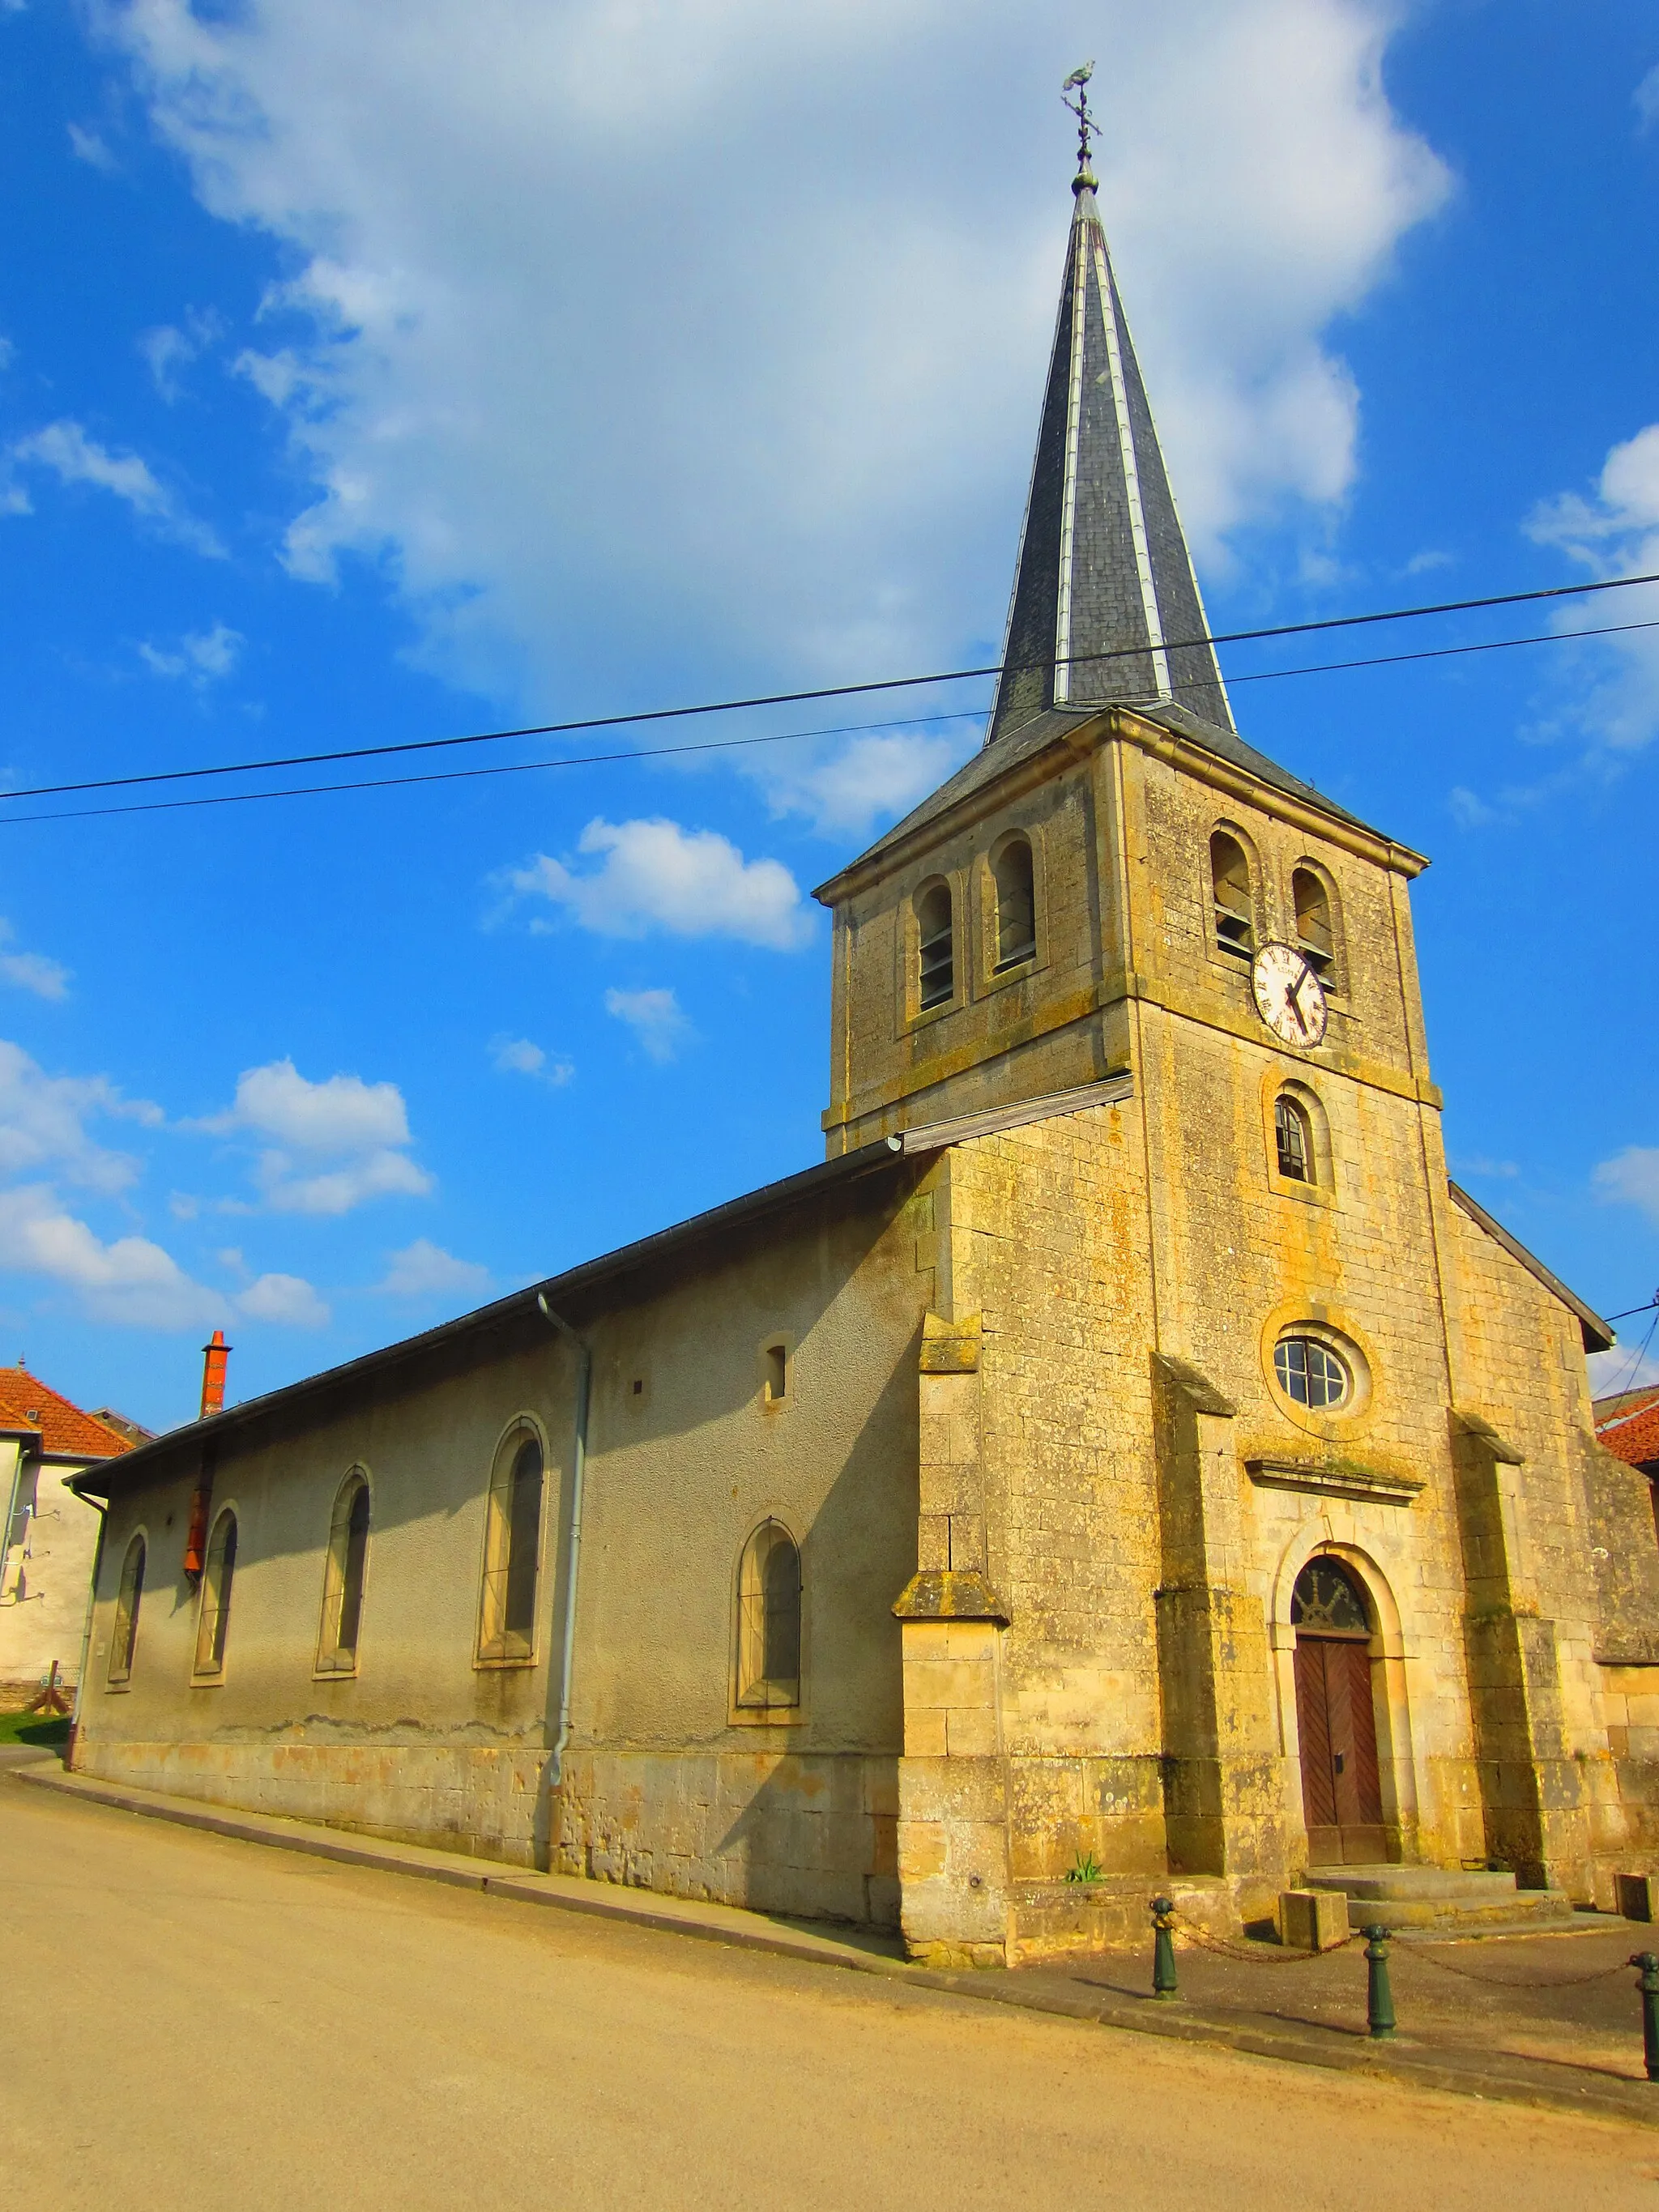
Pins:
<point x="716" y="744"/>
<point x="827" y="691"/>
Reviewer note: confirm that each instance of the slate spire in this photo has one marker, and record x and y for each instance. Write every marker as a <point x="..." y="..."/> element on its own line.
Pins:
<point x="1104" y="567"/>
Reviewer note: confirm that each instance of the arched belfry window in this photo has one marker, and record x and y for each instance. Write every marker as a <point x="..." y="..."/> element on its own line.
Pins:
<point x="124" y="1641"/>
<point x="1293" y="1138"/>
<point x="213" y="1622"/>
<point x="768" y="1620"/>
<point x="343" y="1574"/>
<point x="1313" y="921"/>
<point x="1230" y="879"/>
<point x="936" y="976"/>
<point x="1016" y="896"/>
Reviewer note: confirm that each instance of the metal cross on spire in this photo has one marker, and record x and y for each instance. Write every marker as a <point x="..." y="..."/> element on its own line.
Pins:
<point x="1078" y="82"/>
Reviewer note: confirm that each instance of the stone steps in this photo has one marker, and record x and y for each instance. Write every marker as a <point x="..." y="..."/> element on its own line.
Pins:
<point x="1405" y="1899"/>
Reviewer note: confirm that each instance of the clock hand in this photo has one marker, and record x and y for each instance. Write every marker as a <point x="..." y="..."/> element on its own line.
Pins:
<point x="1292" y="999"/>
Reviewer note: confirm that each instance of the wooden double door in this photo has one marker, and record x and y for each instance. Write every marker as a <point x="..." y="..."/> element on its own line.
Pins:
<point x="1341" y="1790"/>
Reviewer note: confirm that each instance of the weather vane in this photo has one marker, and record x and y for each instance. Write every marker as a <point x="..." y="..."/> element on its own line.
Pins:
<point x="1078" y="82"/>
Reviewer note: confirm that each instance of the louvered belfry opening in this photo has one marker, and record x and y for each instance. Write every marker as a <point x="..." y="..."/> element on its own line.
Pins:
<point x="1105" y="604"/>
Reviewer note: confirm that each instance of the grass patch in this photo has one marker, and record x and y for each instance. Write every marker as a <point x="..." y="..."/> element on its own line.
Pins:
<point x="32" y="1727"/>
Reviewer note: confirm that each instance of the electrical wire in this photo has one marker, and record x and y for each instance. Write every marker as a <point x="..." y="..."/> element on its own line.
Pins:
<point x="1637" y="1360"/>
<point x="652" y="752"/>
<point x="841" y="691"/>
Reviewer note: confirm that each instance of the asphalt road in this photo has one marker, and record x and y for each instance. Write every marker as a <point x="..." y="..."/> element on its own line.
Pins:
<point x="193" y="2021"/>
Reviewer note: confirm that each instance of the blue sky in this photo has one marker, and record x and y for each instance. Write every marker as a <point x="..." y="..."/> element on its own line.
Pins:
<point x="558" y="357"/>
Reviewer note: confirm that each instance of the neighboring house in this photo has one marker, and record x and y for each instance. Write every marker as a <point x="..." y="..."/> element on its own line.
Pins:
<point x="45" y="1441"/>
<point x="1126" y="1454"/>
<point x="1628" y="1425"/>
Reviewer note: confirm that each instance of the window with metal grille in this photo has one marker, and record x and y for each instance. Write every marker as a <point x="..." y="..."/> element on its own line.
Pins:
<point x="1313" y="921"/>
<point x="1229" y="878"/>
<point x="768" y="1620"/>
<point x="1328" y="1600"/>
<point x="512" y="1554"/>
<point x="343" y="1573"/>
<point x="213" y="1622"/>
<point x="937" y="979"/>
<point x="1293" y="1135"/>
<point x="1310" y="1374"/>
<point x="124" y="1640"/>
<point x="1015" y="891"/>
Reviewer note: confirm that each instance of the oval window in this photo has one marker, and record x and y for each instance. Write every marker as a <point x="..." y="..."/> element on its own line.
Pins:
<point x="1311" y="1373"/>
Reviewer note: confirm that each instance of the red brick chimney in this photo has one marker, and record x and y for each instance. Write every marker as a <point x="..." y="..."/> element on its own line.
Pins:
<point x="215" y="1357"/>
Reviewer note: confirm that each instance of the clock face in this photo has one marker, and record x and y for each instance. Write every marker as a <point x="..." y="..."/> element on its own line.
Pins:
<point x="1289" y="997"/>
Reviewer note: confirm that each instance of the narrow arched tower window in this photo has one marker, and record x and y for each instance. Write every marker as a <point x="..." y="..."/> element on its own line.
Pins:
<point x="1229" y="878"/>
<point x="1313" y="920"/>
<point x="343" y="1577"/>
<point x="936" y="952"/>
<point x="1016" y="892"/>
<point x="512" y="1554"/>
<point x="1293" y="1137"/>
<point x="769" y="1619"/>
<point x="124" y="1641"/>
<point x="213" y="1624"/>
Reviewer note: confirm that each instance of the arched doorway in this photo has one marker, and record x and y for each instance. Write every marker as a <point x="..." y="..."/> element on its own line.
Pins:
<point x="1336" y="1719"/>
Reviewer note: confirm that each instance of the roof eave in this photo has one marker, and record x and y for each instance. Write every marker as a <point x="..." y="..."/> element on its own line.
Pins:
<point x="1138" y="725"/>
<point x="574" y="1283"/>
<point x="1598" y="1336"/>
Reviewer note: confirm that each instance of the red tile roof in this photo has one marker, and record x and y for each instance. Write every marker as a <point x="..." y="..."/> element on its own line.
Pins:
<point x="1630" y="1428"/>
<point x="26" y="1402"/>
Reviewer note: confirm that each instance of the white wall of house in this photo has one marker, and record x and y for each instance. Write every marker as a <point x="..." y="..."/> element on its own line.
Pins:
<point x="47" y="1569"/>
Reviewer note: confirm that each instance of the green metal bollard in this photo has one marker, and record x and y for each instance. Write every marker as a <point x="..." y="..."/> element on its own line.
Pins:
<point x="1647" y="1961"/>
<point x="1163" y="1960"/>
<point x="1379" y="1997"/>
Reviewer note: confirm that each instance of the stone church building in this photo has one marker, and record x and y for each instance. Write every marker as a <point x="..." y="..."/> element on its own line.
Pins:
<point x="1125" y="1456"/>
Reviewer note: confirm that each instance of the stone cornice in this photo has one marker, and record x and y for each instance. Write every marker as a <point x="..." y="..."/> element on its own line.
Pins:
<point x="1335" y="1479"/>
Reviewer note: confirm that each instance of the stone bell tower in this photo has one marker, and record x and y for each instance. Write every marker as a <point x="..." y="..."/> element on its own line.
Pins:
<point x="991" y="947"/>
<point x="1214" y="1342"/>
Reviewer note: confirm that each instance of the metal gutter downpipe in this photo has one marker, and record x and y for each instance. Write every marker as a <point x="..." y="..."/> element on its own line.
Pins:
<point x="579" y="1470"/>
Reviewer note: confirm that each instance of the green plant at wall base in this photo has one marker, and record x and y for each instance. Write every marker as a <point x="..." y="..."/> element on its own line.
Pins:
<point x="1085" y="1869"/>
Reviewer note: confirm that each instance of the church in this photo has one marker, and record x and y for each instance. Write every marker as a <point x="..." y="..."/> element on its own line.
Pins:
<point x="1125" y="1462"/>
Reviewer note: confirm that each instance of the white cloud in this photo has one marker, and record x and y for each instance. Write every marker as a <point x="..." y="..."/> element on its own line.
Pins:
<point x="76" y="459"/>
<point x="131" y="1281"/>
<point x="287" y="1300"/>
<point x="1631" y="1178"/>
<point x="43" y="1122"/>
<point x="343" y="1114"/>
<point x="423" y="1270"/>
<point x="879" y="775"/>
<point x="169" y="349"/>
<point x="655" y="1018"/>
<point x="339" y="1190"/>
<point x="1626" y="1367"/>
<point x="30" y="971"/>
<point x="1647" y="98"/>
<point x="89" y="147"/>
<point x="361" y="1129"/>
<point x="512" y="1055"/>
<point x="800" y="428"/>
<point x="655" y="875"/>
<point x="201" y="655"/>
<point x="1614" y="532"/>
